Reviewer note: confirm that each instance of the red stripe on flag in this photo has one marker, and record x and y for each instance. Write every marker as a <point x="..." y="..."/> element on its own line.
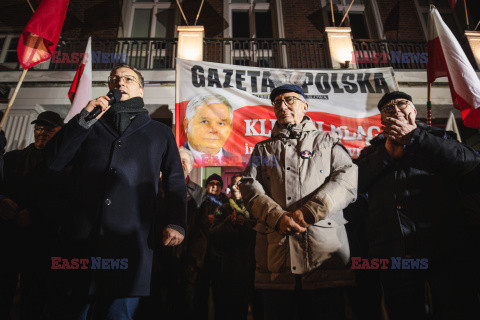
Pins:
<point x="436" y="64"/>
<point x="76" y="81"/>
<point x="40" y="37"/>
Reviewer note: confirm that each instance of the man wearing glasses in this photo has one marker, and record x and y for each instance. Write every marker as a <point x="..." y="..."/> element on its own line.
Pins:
<point x="410" y="175"/>
<point x="117" y="159"/>
<point x="301" y="245"/>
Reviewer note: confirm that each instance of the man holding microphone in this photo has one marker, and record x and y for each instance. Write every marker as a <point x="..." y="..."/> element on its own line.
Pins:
<point x="116" y="160"/>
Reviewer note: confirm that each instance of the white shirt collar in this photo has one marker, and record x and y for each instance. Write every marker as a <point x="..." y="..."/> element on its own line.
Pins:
<point x="199" y="155"/>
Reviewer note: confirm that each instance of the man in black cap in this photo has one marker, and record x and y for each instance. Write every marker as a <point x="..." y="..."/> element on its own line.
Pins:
<point x="409" y="175"/>
<point x="28" y="203"/>
<point x="296" y="185"/>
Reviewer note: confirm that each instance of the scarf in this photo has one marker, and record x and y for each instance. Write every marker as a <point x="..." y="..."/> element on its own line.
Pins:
<point x="239" y="207"/>
<point x="215" y="198"/>
<point x="121" y="114"/>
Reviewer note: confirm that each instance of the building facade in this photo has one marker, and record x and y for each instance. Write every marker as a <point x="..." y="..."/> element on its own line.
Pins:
<point x="265" y="33"/>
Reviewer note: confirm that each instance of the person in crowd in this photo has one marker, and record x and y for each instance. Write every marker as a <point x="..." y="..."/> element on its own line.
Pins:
<point x="296" y="184"/>
<point x="233" y="238"/>
<point x="30" y="203"/>
<point x="202" y="263"/>
<point x="171" y="279"/>
<point x="409" y="176"/>
<point x="116" y="160"/>
<point x="3" y="144"/>
<point x="208" y="123"/>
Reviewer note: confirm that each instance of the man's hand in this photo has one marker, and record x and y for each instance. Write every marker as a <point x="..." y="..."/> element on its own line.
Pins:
<point x="100" y="101"/>
<point x="171" y="237"/>
<point x="400" y="130"/>
<point x="8" y="209"/>
<point x="301" y="218"/>
<point x="23" y="218"/>
<point x="287" y="226"/>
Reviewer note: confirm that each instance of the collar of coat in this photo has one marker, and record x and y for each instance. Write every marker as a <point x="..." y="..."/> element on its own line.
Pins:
<point x="286" y="130"/>
<point x="380" y="138"/>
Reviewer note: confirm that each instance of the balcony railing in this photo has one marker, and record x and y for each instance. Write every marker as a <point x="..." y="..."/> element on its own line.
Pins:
<point x="158" y="54"/>
<point x="384" y="53"/>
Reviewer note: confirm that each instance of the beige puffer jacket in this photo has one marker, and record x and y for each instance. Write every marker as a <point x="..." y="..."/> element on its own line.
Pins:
<point x="313" y="170"/>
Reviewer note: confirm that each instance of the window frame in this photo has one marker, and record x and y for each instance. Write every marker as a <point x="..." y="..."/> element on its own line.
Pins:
<point x="129" y="13"/>
<point x="373" y="27"/>
<point x="421" y="10"/>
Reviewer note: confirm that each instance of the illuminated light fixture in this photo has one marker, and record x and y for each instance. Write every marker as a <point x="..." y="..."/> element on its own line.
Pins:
<point x="345" y="65"/>
<point x="190" y="42"/>
<point x="340" y="47"/>
<point x="473" y="38"/>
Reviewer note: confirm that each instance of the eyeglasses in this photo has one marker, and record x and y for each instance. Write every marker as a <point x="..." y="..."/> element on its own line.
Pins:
<point x="39" y="129"/>
<point x="390" y="108"/>
<point x="127" y="79"/>
<point x="214" y="183"/>
<point x="288" y="100"/>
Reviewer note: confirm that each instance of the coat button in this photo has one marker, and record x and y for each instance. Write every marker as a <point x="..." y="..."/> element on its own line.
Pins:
<point x="321" y="171"/>
<point x="399" y="207"/>
<point x="108" y="202"/>
<point x="289" y="198"/>
<point x="119" y="143"/>
<point x="113" y="170"/>
<point x="288" y="168"/>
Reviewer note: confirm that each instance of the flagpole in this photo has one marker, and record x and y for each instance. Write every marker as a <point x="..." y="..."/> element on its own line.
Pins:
<point x="466" y="13"/>
<point x="12" y="99"/>
<point x="331" y="9"/>
<point x="17" y="88"/>
<point x="429" y="105"/>
<point x="348" y="10"/>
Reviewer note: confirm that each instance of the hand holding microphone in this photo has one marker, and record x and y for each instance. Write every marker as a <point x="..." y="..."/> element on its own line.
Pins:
<point x="100" y="105"/>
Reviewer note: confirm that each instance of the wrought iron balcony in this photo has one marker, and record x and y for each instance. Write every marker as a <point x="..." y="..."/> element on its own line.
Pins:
<point x="159" y="54"/>
<point x="384" y="53"/>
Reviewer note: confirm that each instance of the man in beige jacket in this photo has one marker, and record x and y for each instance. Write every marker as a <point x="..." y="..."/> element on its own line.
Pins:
<point x="296" y="185"/>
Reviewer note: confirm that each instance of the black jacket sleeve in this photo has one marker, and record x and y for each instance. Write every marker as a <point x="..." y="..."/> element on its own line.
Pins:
<point x="446" y="156"/>
<point x="173" y="181"/>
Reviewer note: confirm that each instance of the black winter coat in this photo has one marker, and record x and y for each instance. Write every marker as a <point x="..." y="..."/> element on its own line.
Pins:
<point x="413" y="205"/>
<point x="113" y="198"/>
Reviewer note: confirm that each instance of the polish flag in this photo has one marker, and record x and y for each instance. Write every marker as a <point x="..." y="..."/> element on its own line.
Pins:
<point x="447" y="59"/>
<point x="454" y="2"/>
<point x="80" y="92"/>
<point x="40" y="37"/>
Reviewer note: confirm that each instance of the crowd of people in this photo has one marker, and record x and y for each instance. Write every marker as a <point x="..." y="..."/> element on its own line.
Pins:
<point x="99" y="219"/>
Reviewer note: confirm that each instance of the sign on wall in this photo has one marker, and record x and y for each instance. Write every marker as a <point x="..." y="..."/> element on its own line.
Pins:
<point x="223" y="110"/>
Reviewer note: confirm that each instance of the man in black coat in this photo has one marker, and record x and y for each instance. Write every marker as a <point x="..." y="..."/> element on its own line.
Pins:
<point x="410" y="176"/>
<point x="116" y="163"/>
<point x="30" y="202"/>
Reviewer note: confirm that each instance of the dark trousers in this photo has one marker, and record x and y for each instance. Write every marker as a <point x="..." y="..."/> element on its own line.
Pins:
<point x="324" y="304"/>
<point x="70" y="308"/>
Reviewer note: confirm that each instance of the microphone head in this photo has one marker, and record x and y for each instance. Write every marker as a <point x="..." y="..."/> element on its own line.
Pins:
<point x="115" y="95"/>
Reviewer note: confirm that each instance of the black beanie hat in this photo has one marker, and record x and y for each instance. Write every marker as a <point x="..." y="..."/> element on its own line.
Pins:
<point x="215" y="177"/>
<point x="392" y="96"/>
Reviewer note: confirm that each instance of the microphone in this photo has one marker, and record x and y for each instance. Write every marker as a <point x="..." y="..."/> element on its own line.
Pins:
<point x="115" y="95"/>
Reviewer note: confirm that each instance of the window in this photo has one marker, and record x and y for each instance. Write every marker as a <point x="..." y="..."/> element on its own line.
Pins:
<point x="249" y="20"/>
<point x="8" y="49"/>
<point x="445" y="10"/>
<point x="356" y="18"/>
<point x="154" y="22"/>
<point x="152" y="19"/>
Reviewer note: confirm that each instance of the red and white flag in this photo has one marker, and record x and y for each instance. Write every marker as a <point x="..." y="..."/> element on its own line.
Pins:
<point x="40" y="37"/>
<point x="454" y="2"/>
<point x="80" y="92"/>
<point x="447" y="59"/>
